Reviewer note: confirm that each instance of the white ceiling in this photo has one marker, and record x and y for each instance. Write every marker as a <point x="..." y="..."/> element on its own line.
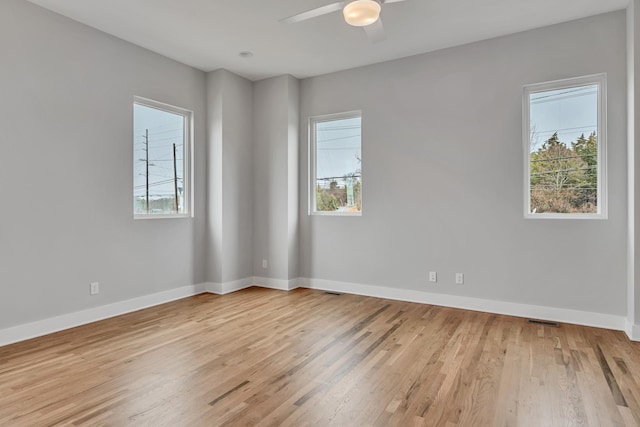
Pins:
<point x="209" y="34"/>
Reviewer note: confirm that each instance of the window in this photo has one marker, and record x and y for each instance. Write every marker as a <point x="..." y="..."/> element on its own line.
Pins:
<point x="336" y="164"/>
<point x="161" y="148"/>
<point x="564" y="139"/>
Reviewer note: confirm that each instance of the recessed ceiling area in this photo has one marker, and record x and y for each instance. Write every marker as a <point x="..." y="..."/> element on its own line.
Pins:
<point x="209" y="34"/>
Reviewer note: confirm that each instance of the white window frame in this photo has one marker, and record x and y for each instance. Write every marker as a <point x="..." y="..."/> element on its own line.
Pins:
<point x="601" y="81"/>
<point x="186" y="155"/>
<point x="313" y="121"/>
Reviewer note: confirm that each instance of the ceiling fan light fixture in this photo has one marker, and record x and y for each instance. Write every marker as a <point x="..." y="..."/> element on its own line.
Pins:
<point x="361" y="13"/>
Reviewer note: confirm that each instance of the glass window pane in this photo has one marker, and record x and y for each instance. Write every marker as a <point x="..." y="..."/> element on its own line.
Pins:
<point x="338" y="157"/>
<point x="563" y="150"/>
<point x="159" y="161"/>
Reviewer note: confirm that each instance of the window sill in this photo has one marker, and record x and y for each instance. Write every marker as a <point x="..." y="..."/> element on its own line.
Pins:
<point x="564" y="216"/>
<point x="336" y="214"/>
<point x="161" y="216"/>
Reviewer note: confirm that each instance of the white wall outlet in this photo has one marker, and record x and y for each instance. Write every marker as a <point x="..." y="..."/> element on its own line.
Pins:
<point x="264" y="263"/>
<point x="459" y="278"/>
<point x="95" y="288"/>
<point x="433" y="276"/>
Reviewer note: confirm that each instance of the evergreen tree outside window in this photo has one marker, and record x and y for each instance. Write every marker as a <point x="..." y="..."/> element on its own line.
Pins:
<point x="564" y="137"/>
<point x="335" y="146"/>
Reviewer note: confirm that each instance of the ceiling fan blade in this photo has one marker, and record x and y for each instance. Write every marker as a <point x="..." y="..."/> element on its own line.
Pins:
<point x="393" y="1"/>
<point x="375" y="32"/>
<point x="333" y="7"/>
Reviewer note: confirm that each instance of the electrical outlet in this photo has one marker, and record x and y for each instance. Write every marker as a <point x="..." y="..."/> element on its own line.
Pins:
<point x="95" y="288"/>
<point x="264" y="263"/>
<point x="459" y="278"/>
<point x="433" y="276"/>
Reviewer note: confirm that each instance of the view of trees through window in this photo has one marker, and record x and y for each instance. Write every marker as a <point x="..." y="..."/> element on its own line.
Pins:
<point x="563" y="150"/>
<point x="338" y="167"/>
<point x="159" y="166"/>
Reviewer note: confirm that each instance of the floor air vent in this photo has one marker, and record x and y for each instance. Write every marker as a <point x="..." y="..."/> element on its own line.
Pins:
<point x="544" y="322"/>
<point x="333" y="293"/>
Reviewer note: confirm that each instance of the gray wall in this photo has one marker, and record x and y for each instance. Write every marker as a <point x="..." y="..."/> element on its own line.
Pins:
<point x="633" y="162"/>
<point x="67" y="170"/>
<point x="214" y="141"/>
<point x="442" y="167"/>
<point x="237" y="154"/>
<point x="293" y="154"/>
<point x="276" y="106"/>
<point x="443" y="174"/>
<point x="230" y="177"/>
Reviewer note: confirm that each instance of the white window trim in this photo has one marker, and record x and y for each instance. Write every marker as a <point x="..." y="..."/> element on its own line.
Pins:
<point x="601" y="81"/>
<point x="312" y="160"/>
<point x="187" y="156"/>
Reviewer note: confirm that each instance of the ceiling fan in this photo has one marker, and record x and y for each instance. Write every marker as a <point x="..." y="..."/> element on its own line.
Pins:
<point x="359" y="13"/>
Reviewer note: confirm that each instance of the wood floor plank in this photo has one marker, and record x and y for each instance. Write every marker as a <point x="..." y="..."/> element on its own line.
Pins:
<point x="262" y="357"/>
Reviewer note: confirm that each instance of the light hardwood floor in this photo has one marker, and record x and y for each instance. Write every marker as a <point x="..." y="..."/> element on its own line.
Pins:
<point x="266" y="357"/>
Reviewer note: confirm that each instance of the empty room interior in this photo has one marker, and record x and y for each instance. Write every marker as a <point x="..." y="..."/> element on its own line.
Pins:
<point x="303" y="212"/>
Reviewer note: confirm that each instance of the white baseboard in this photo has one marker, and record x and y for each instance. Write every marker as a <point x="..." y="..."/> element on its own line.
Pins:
<point x="263" y="282"/>
<point x="213" y="288"/>
<point x="71" y="320"/>
<point x="632" y="330"/>
<point x="228" y="287"/>
<point x="599" y="320"/>
<point x="66" y="321"/>
<point x="280" y="284"/>
<point x="237" y="285"/>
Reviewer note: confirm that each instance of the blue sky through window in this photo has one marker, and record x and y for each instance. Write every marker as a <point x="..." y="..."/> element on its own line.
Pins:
<point x="338" y="148"/>
<point x="165" y="129"/>
<point x="569" y="111"/>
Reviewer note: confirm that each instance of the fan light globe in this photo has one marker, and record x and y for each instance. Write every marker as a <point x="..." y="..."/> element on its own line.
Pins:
<point x="361" y="13"/>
